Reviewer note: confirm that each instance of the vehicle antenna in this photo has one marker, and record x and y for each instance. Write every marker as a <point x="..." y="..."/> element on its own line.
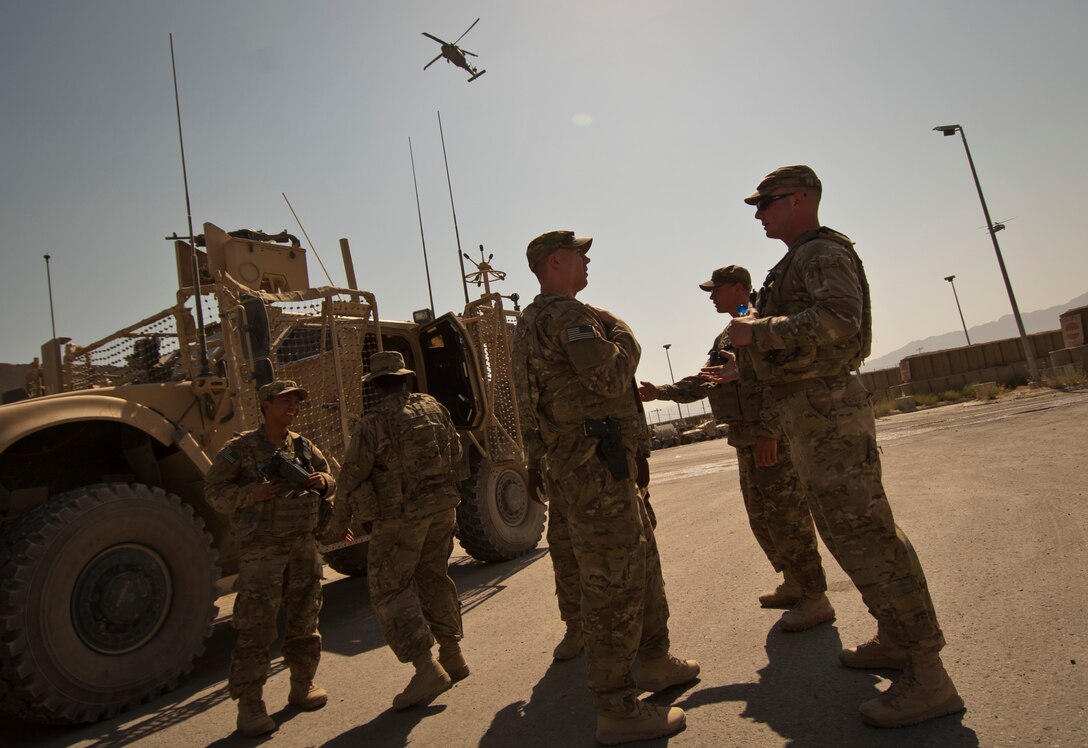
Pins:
<point x="197" y="302"/>
<point x="422" y="238"/>
<point x="319" y="262"/>
<point x="456" y="233"/>
<point x="49" y="281"/>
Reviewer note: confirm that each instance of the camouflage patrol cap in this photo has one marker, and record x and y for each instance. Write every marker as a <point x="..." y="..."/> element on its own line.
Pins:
<point x="386" y="364"/>
<point x="281" y="387"/>
<point x="728" y="274"/>
<point x="796" y="175"/>
<point x="541" y="247"/>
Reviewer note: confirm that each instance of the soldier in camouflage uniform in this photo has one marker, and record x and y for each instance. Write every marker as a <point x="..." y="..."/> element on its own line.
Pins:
<point x="813" y="328"/>
<point x="576" y="366"/>
<point x="773" y="497"/>
<point x="399" y="475"/>
<point x="273" y="520"/>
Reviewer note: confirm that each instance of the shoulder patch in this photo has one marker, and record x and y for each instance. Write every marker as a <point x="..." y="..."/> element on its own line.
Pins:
<point x="580" y="332"/>
<point x="230" y="455"/>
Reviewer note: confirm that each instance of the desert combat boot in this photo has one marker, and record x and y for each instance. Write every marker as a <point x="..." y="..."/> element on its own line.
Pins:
<point x="452" y="661"/>
<point x="811" y="610"/>
<point x="786" y="594"/>
<point x="253" y="719"/>
<point x="665" y="672"/>
<point x="923" y="692"/>
<point x="882" y="652"/>
<point x="429" y="681"/>
<point x="646" y="722"/>
<point x="571" y="644"/>
<point x="305" y="695"/>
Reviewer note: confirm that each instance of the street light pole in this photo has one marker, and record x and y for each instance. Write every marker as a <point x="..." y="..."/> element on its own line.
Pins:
<point x="673" y="378"/>
<point x="952" y="279"/>
<point x="1029" y="354"/>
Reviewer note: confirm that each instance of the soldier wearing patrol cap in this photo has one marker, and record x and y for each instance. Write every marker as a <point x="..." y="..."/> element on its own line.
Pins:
<point x="587" y="443"/>
<point x="773" y="495"/>
<point x="400" y="477"/>
<point x="813" y="328"/>
<point x="270" y="481"/>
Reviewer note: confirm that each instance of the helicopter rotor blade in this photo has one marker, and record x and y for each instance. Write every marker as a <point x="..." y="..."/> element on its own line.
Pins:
<point x="436" y="59"/>
<point x="432" y="36"/>
<point x="467" y="30"/>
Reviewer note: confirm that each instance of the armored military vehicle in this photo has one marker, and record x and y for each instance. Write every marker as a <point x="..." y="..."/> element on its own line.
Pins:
<point x="110" y="560"/>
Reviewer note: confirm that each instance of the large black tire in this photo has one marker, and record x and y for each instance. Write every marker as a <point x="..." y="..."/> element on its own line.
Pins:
<point x="496" y="521"/>
<point x="350" y="560"/>
<point x="107" y="594"/>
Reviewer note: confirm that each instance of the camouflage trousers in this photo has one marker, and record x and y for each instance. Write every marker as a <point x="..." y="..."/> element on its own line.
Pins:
<point x="779" y="516"/>
<point x="273" y="573"/>
<point x="410" y="587"/>
<point x="831" y="428"/>
<point x="568" y="584"/>
<point x="624" y="611"/>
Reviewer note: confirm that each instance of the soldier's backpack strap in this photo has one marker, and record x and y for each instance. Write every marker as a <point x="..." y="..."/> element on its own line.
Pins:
<point x="866" y="337"/>
<point x="303" y="452"/>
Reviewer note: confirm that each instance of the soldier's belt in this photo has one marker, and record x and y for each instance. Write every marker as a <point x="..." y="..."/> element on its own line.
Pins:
<point x="782" y="391"/>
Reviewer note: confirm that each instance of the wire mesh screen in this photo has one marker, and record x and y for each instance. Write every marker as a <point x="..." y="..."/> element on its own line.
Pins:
<point x="322" y="344"/>
<point x="147" y="352"/>
<point x="490" y="334"/>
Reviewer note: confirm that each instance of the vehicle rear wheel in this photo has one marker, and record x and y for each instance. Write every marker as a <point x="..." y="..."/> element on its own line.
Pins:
<point x="107" y="594"/>
<point x="496" y="520"/>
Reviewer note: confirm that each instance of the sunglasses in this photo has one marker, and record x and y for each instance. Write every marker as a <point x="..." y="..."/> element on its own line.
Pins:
<point x="765" y="202"/>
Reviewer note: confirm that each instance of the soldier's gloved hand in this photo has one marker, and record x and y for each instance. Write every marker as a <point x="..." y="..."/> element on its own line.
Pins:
<point x="536" y="486"/>
<point x="265" y="491"/>
<point x="647" y="392"/>
<point x="642" y="471"/>
<point x="317" y="482"/>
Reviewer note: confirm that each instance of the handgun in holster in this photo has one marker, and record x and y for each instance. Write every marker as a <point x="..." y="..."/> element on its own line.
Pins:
<point x="609" y="445"/>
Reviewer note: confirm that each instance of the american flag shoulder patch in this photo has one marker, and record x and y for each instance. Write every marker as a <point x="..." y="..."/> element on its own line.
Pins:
<point x="582" y="332"/>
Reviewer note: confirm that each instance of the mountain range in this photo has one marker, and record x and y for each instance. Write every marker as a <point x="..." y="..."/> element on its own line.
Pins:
<point x="1005" y="327"/>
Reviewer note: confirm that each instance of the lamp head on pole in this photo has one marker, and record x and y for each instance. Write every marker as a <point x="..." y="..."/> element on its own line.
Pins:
<point x="667" y="346"/>
<point x="948" y="129"/>
<point x="950" y="278"/>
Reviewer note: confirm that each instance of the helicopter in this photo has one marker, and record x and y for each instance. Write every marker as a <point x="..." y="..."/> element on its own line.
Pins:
<point x="455" y="54"/>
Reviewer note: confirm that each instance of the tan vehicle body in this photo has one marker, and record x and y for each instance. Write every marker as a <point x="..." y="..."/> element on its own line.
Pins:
<point x="110" y="559"/>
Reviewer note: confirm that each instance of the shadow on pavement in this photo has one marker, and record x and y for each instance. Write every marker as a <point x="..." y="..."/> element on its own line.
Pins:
<point x="805" y="696"/>
<point x="558" y="712"/>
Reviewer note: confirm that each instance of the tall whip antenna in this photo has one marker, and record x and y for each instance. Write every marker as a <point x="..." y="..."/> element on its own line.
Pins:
<point x="49" y="280"/>
<point x="422" y="238"/>
<point x="197" y="301"/>
<point x="456" y="233"/>
<point x="307" y="238"/>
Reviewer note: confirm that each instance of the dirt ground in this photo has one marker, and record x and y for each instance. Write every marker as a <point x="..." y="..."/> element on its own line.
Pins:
<point x="993" y="496"/>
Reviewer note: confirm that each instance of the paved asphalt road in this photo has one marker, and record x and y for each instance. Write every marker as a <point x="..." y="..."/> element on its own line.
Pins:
<point x="993" y="496"/>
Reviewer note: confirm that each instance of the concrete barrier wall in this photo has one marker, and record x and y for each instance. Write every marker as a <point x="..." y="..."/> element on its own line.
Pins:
<point x="883" y="383"/>
<point x="1000" y="361"/>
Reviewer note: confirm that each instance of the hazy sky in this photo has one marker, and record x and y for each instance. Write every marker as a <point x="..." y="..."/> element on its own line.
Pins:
<point x="640" y="123"/>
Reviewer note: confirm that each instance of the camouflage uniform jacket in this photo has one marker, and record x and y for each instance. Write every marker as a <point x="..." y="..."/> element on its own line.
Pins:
<point x="402" y="461"/>
<point x="570" y="367"/>
<point x="236" y="471"/>
<point x="737" y="403"/>
<point x="815" y="318"/>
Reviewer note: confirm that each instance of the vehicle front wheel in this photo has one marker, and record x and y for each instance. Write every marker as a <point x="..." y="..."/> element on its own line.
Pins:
<point x="496" y="520"/>
<point x="107" y="594"/>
